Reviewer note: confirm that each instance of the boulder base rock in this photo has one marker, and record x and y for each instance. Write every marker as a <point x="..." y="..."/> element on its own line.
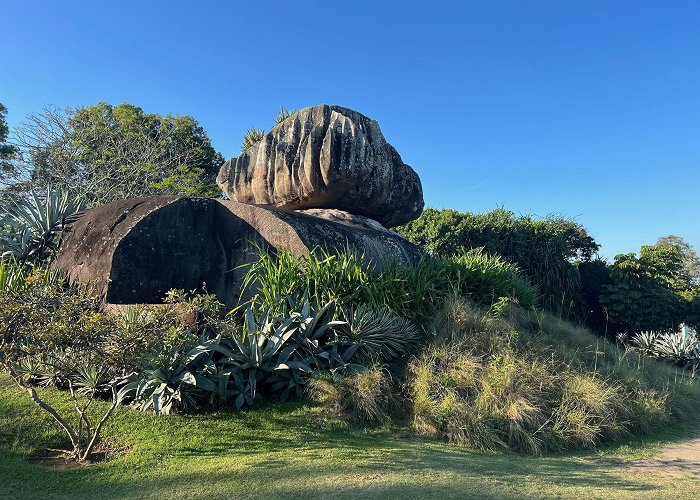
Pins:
<point x="341" y="217"/>
<point x="134" y="251"/>
<point x="326" y="157"/>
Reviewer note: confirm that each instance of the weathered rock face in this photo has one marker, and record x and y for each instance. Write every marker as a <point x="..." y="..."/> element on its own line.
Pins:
<point x="134" y="251"/>
<point x="326" y="157"/>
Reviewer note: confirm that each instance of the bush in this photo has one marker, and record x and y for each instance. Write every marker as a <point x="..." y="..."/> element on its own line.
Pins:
<point x="415" y="292"/>
<point x="50" y="335"/>
<point x="488" y="278"/>
<point x="543" y="248"/>
<point x="637" y="298"/>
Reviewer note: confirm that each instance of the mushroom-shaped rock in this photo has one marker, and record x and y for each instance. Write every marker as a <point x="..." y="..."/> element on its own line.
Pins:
<point x="326" y="157"/>
<point x="134" y="251"/>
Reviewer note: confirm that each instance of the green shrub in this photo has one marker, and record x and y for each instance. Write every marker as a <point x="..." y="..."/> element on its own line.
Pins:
<point x="543" y="249"/>
<point x="50" y="335"/>
<point x="415" y="292"/>
<point x="487" y="278"/>
<point x="638" y="298"/>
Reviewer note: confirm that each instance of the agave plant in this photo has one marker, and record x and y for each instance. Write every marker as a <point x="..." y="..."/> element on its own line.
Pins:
<point x="165" y="390"/>
<point x="283" y="114"/>
<point x="645" y="341"/>
<point x="266" y="356"/>
<point x="677" y="346"/>
<point x="35" y="223"/>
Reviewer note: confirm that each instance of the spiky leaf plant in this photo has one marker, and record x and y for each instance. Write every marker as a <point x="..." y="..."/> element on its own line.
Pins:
<point x="283" y="114"/>
<point x="252" y="137"/>
<point x="35" y="223"/>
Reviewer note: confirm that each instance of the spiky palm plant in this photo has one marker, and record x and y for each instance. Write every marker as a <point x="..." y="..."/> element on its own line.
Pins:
<point x="381" y="334"/>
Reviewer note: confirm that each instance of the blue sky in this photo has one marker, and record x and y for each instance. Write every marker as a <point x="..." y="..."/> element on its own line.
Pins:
<point x="585" y="108"/>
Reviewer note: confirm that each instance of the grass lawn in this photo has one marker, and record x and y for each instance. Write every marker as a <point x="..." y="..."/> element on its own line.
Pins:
<point x="283" y="451"/>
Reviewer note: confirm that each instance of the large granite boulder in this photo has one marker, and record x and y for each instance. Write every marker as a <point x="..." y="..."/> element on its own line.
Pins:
<point x="134" y="251"/>
<point x="326" y="157"/>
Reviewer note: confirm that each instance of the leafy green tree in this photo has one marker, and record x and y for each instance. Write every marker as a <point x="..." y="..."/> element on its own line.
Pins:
<point x="105" y="153"/>
<point x="545" y="249"/>
<point x="641" y="294"/>
<point x="8" y="152"/>
<point x="689" y="273"/>
<point x="665" y="264"/>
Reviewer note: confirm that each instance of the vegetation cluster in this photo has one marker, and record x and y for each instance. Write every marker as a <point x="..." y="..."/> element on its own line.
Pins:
<point x="476" y="344"/>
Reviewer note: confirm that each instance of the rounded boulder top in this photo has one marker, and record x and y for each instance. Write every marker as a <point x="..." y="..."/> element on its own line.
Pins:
<point x="326" y="156"/>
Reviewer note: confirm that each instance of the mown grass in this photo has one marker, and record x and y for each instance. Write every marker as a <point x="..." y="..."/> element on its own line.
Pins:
<point x="284" y="451"/>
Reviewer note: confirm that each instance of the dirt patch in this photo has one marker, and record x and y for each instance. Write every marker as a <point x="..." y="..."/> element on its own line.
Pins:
<point x="675" y="460"/>
<point x="60" y="460"/>
<point x="57" y="460"/>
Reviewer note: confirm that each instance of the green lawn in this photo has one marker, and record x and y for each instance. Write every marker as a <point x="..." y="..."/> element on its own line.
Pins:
<point x="284" y="451"/>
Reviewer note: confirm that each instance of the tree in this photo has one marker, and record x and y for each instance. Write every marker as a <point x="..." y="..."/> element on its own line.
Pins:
<point x="642" y="293"/>
<point x="105" y="153"/>
<point x="50" y="335"/>
<point x="690" y="262"/>
<point x="8" y="152"/>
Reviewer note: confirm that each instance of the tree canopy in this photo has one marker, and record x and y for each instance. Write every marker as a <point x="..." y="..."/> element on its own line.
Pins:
<point x="105" y="153"/>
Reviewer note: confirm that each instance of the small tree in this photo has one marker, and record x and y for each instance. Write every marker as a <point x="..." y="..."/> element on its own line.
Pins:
<point x="50" y="335"/>
<point x="85" y="382"/>
<point x="105" y="153"/>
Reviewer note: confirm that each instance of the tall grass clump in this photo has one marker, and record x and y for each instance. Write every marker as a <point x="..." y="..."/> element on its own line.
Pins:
<point x="15" y="275"/>
<point x="366" y="397"/>
<point x="531" y="383"/>
<point x="487" y="278"/>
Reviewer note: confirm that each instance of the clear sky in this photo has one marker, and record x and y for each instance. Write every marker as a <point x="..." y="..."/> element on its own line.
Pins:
<point x="590" y="109"/>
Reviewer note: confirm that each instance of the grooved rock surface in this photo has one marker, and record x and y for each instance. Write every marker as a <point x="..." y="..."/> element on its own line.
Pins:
<point x="326" y="157"/>
<point x="134" y="251"/>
